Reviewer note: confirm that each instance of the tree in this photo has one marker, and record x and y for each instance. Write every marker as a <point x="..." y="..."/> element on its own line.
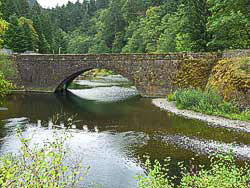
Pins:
<point x="31" y="36"/>
<point x="9" y="8"/>
<point x="11" y="34"/>
<point x="170" y="28"/>
<point x="144" y="38"/>
<point x="21" y="35"/>
<point x="109" y="22"/>
<point x="100" y="4"/>
<point x="3" y="28"/>
<point x="59" y="42"/>
<point x="43" y="44"/>
<point x="24" y="8"/>
<point x="229" y="24"/>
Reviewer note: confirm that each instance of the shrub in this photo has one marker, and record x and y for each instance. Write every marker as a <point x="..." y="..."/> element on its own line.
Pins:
<point x="157" y="176"/>
<point x="5" y="85"/>
<point x="171" y="97"/>
<point x="6" y="67"/>
<point x="209" y="102"/>
<point x="6" y="72"/>
<point x="40" y="166"/>
<point x="223" y="172"/>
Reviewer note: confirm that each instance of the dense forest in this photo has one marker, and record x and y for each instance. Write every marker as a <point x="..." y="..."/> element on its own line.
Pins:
<point x="126" y="26"/>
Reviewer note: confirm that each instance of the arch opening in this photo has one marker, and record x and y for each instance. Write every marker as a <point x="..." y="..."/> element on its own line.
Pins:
<point x="99" y="85"/>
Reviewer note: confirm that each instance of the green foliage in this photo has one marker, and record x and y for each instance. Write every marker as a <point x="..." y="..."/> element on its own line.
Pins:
<point x="229" y="24"/>
<point x="209" y="102"/>
<point x="5" y="85"/>
<point x="171" y="97"/>
<point x="157" y="175"/>
<point x="6" y="67"/>
<point x="40" y="166"/>
<point x="21" y="35"/>
<point x="6" y="72"/>
<point x="3" y="28"/>
<point x="223" y="172"/>
<point x="114" y="26"/>
<point x="78" y="43"/>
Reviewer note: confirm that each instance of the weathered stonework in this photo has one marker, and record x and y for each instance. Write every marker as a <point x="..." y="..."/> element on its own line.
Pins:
<point x="152" y="74"/>
<point x="231" y="78"/>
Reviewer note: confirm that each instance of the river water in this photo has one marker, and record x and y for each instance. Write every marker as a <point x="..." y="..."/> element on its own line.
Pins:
<point x="116" y="129"/>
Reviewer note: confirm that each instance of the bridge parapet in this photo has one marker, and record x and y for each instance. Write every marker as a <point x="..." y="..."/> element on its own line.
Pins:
<point x="152" y="74"/>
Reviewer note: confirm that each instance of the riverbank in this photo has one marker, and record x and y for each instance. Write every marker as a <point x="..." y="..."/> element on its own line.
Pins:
<point x="211" y="120"/>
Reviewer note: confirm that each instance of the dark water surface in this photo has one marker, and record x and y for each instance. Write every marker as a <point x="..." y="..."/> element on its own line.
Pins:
<point x="111" y="137"/>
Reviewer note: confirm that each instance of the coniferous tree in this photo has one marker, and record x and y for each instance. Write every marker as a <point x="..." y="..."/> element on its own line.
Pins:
<point x="9" y="8"/>
<point x="3" y="28"/>
<point x="43" y="44"/>
<point x="31" y="36"/>
<point x="98" y="26"/>
<point x="24" y="8"/>
<point x="11" y="34"/>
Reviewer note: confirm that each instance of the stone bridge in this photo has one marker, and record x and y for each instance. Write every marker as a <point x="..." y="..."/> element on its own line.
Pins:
<point x="152" y="74"/>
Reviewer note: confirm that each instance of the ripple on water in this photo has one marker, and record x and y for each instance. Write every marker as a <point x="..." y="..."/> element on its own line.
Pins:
<point x="14" y="122"/>
<point x="105" y="153"/>
<point x="202" y="146"/>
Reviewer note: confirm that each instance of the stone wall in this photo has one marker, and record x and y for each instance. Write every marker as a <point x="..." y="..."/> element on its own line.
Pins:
<point x="235" y="53"/>
<point x="153" y="74"/>
<point x="231" y="77"/>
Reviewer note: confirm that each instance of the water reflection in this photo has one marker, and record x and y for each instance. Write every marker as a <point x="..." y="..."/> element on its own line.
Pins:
<point x="110" y="88"/>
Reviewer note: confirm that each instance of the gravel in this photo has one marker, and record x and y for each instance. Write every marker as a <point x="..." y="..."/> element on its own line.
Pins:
<point x="211" y="120"/>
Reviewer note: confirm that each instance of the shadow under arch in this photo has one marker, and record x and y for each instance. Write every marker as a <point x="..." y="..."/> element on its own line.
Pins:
<point x="65" y="83"/>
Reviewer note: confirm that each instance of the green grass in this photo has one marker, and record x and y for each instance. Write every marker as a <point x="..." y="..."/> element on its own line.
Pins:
<point x="210" y="103"/>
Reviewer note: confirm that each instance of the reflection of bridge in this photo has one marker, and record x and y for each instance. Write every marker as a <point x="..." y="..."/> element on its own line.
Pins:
<point x="152" y="74"/>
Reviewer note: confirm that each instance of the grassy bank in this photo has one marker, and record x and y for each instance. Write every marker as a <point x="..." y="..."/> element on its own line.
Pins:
<point x="210" y="103"/>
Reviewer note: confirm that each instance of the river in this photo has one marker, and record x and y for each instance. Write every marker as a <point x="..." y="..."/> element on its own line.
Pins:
<point x="116" y="129"/>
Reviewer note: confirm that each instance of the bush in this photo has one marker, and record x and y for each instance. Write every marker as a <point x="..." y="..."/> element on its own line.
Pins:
<point x="6" y="67"/>
<point x="6" y="72"/>
<point x="222" y="173"/>
<point x="209" y="102"/>
<point x="157" y="175"/>
<point x="171" y="97"/>
<point x="5" y="85"/>
<point x="40" y="166"/>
